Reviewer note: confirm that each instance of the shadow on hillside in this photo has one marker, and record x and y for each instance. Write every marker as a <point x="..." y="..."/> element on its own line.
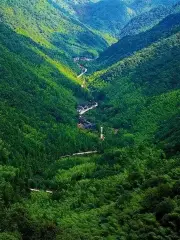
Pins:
<point x="130" y="44"/>
<point x="28" y="50"/>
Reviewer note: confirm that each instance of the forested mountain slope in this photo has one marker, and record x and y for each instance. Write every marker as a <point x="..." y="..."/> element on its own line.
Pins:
<point x="111" y="16"/>
<point x="68" y="5"/>
<point x="149" y="19"/>
<point x="130" y="44"/>
<point x="145" y="21"/>
<point x="145" y="6"/>
<point x="140" y="92"/>
<point x="39" y="87"/>
<point x="38" y="104"/>
<point x="49" y="26"/>
<point x="127" y="193"/>
<point x="107" y="16"/>
<point x="129" y="189"/>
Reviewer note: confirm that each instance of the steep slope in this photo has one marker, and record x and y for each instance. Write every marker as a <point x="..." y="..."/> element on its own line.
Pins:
<point x="74" y="10"/>
<point x="106" y="16"/>
<point x="38" y="95"/>
<point x="140" y="92"/>
<point x="124" y="194"/>
<point x="145" y="21"/>
<point x="130" y="44"/>
<point x="110" y="17"/>
<point x="149" y="19"/>
<point x="141" y="6"/>
<point x="49" y="26"/>
<point x="129" y="189"/>
<point x="39" y="87"/>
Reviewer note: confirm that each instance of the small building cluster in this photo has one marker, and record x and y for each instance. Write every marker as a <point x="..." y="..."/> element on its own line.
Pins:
<point x="86" y="59"/>
<point x="84" y="124"/>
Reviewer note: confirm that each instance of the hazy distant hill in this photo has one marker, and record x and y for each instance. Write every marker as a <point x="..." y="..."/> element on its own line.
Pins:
<point x="145" y="21"/>
<point x="48" y="25"/>
<point x="130" y="44"/>
<point x="107" y="16"/>
<point x="111" y="16"/>
<point x="141" y="6"/>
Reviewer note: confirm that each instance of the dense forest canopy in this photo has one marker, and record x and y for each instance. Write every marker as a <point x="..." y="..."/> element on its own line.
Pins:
<point x="89" y="120"/>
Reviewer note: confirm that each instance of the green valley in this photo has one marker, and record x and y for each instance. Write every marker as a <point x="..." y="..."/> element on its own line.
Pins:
<point x="89" y="120"/>
<point x="49" y="26"/>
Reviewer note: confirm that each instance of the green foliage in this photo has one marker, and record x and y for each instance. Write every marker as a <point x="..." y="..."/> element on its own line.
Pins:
<point x="106" y="16"/>
<point x="141" y="92"/>
<point x="38" y="109"/>
<point x="7" y="236"/>
<point x="145" y="21"/>
<point x="129" y="192"/>
<point x="148" y="19"/>
<point x="128" y="45"/>
<point x="168" y="135"/>
<point x="50" y="26"/>
<point x="130" y="189"/>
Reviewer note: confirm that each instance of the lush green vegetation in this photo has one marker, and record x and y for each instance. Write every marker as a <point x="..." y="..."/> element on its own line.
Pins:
<point x="49" y="26"/>
<point x="146" y="21"/>
<point x="130" y="98"/>
<point x="107" y="16"/>
<point x="38" y="95"/>
<point x="128" y="193"/>
<point x="111" y="16"/>
<point x="129" y="189"/>
<point x="144" y="6"/>
<point x="130" y="44"/>
<point x="149" y="19"/>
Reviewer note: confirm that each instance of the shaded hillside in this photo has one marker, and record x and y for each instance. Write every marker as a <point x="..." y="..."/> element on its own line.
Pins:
<point x="149" y="19"/>
<point x="168" y="135"/>
<point x="38" y="104"/>
<point x="140" y="92"/>
<point x="145" y="21"/>
<point x="106" y="16"/>
<point x="129" y="188"/>
<point x="146" y="5"/>
<point x="110" y="17"/>
<point x="130" y="44"/>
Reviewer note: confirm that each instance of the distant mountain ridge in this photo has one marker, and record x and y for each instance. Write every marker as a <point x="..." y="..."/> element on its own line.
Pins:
<point x="130" y="44"/>
<point x="48" y="25"/>
<point x="107" y="16"/>
<point x="145" y="21"/>
<point x="111" y="16"/>
<point x="145" y="5"/>
<point x="140" y="92"/>
<point x="148" y="19"/>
